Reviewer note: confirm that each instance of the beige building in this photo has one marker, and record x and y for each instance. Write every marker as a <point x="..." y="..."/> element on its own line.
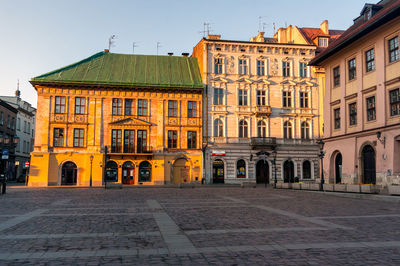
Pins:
<point x="261" y="97"/>
<point x="362" y="102"/>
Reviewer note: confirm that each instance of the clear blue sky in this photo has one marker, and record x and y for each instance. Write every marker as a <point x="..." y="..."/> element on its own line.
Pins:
<point x="38" y="36"/>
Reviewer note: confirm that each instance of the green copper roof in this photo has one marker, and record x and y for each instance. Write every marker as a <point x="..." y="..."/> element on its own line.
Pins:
<point x="128" y="70"/>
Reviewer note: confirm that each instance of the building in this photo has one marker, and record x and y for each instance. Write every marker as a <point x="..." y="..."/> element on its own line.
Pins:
<point x="138" y="118"/>
<point x="362" y="100"/>
<point x="25" y="130"/>
<point x="261" y="110"/>
<point x="8" y="139"/>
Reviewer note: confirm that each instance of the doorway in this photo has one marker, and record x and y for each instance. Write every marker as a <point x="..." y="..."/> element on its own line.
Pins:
<point x="128" y="173"/>
<point x="218" y="171"/>
<point x="69" y="174"/>
<point x="338" y="168"/>
<point x="181" y="171"/>
<point x="369" y="167"/>
<point x="262" y="172"/>
<point x="288" y="172"/>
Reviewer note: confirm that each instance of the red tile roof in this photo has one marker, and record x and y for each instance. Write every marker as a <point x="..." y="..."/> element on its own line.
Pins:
<point x="390" y="10"/>
<point x="311" y="33"/>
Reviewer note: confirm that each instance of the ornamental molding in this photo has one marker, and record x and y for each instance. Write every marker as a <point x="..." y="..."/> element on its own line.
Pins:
<point x="130" y="122"/>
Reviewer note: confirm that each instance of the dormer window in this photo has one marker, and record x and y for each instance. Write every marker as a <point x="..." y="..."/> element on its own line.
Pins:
<point x="323" y="42"/>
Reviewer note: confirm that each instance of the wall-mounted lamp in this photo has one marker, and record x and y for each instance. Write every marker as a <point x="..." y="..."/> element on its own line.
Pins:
<point x="381" y="140"/>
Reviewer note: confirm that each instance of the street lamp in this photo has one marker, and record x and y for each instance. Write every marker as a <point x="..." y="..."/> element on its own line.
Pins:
<point x="16" y="140"/>
<point x="321" y="155"/>
<point x="274" y="153"/>
<point x="6" y="139"/>
<point x="91" y="164"/>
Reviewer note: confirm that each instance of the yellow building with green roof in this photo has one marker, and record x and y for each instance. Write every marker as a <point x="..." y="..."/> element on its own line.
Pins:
<point x="119" y="118"/>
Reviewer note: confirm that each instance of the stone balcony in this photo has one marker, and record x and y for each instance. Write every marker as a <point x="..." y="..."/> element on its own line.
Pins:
<point x="262" y="110"/>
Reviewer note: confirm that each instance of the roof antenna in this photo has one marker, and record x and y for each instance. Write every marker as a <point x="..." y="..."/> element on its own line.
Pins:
<point x="111" y="42"/>
<point x="158" y="46"/>
<point x="18" y="92"/>
<point x="206" y="29"/>
<point x="260" y="23"/>
<point x="133" y="47"/>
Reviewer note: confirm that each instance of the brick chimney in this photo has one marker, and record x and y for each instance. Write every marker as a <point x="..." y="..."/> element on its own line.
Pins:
<point x="185" y="54"/>
<point x="170" y="54"/>
<point x="325" y="27"/>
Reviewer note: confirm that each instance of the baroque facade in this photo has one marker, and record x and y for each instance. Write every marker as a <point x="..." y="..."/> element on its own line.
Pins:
<point x="362" y="101"/>
<point x="130" y="119"/>
<point x="261" y="110"/>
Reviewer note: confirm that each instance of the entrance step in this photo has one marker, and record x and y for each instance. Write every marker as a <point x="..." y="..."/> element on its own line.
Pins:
<point x="248" y="184"/>
<point x="113" y="185"/>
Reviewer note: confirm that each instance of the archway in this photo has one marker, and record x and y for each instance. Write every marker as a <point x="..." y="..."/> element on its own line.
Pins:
<point x="218" y="171"/>
<point x="369" y="167"/>
<point x="128" y="173"/>
<point x="338" y="168"/>
<point x="144" y="172"/>
<point x="69" y="174"/>
<point x="181" y="171"/>
<point x="306" y="169"/>
<point x="288" y="172"/>
<point x="262" y="172"/>
<point x="111" y="171"/>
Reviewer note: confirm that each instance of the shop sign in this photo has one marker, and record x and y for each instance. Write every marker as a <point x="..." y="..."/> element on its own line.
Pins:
<point x="218" y="153"/>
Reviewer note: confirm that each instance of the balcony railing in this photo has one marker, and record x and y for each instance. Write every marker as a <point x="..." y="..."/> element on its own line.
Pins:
<point x="263" y="141"/>
<point x="262" y="110"/>
<point x="121" y="150"/>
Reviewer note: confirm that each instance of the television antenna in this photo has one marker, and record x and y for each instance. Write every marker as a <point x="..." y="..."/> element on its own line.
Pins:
<point x="158" y="46"/>
<point x="133" y="47"/>
<point x="111" y="41"/>
<point x="261" y="23"/>
<point x="206" y="29"/>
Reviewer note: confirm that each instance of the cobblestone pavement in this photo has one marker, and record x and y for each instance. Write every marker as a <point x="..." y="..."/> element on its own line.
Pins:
<point x="204" y="225"/>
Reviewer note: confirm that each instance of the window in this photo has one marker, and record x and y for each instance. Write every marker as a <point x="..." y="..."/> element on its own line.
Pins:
<point x="142" y="107"/>
<point x="117" y="106"/>
<point x="260" y="97"/>
<point x="8" y="121"/>
<point x="128" y="107"/>
<point x="141" y="141"/>
<point x="18" y="123"/>
<point x="303" y="69"/>
<point x="79" y="105"/>
<point x="242" y="67"/>
<point x="336" y="114"/>
<point x="241" y="169"/>
<point x="172" y="139"/>
<point x="29" y="128"/>
<point x="58" y="137"/>
<point x="352" y="69"/>
<point x="172" y="108"/>
<point x="1" y="118"/>
<point x="24" y="147"/>
<point x="287" y="130"/>
<point x="243" y="129"/>
<point x="260" y="67"/>
<point x="218" y="65"/>
<point x="371" y="113"/>
<point x="192" y="109"/>
<point x="305" y="130"/>
<point x="13" y="124"/>
<point x="394" y="49"/>
<point x="370" y="60"/>
<point x="395" y="102"/>
<point x="323" y="42"/>
<point x="353" y="114"/>
<point x="218" y="128"/>
<point x="129" y="141"/>
<point x="287" y="99"/>
<point x="79" y="135"/>
<point x="303" y="99"/>
<point x="261" y="129"/>
<point x="306" y="170"/>
<point x="286" y="69"/>
<point x="25" y="126"/>
<point x="191" y="140"/>
<point x="336" y="76"/>
<point x="116" y="140"/>
<point x="242" y="97"/>
<point x="218" y="96"/>
<point x="60" y="105"/>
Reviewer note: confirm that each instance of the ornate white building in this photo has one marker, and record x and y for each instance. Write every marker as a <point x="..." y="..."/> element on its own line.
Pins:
<point x="262" y="107"/>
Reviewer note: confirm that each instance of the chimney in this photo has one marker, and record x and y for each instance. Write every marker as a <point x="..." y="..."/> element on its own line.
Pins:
<point x="325" y="27"/>
<point x="214" y="37"/>
<point x="18" y="92"/>
<point x="185" y="54"/>
<point x="106" y="50"/>
<point x="170" y="54"/>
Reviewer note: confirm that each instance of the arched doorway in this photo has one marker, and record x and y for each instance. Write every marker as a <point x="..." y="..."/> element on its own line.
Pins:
<point x="306" y="170"/>
<point x="218" y="171"/>
<point x="111" y="171"/>
<point x="262" y="172"/>
<point x="145" y="172"/>
<point x="369" y="168"/>
<point x="241" y="169"/>
<point x="69" y="174"/>
<point x="181" y="171"/>
<point x="338" y="168"/>
<point x="128" y="173"/>
<point x="288" y="172"/>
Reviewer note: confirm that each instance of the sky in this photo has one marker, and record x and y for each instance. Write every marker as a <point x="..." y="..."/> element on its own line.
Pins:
<point x="38" y="36"/>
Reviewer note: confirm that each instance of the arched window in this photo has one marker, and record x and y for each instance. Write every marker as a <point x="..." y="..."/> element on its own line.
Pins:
<point x="305" y="130"/>
<point x="218" y="128"/>
<point x="287" y="130"/>
<point x="144" y="172"/>
<point x="111" y="171"/>
<point x="243" y="129"/>
<point x="261" y="129"/>
<point x="306" y="169"/>
<point x="241" y="169"/>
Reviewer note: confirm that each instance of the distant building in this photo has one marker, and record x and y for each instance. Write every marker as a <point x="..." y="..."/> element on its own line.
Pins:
<point x="8" y="116"/>
<point x="362" y="99"/>
<point x="25" y="130"/>
<point x="146" y="111"/>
